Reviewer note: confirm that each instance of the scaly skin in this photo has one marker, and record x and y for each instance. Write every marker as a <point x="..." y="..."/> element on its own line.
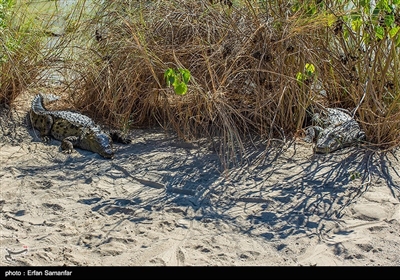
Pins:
<point x="72" y="129"/>
<point x="334" y="129"/>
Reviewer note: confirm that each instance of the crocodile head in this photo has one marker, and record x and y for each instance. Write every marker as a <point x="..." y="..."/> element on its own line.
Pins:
<point x="334" y="138"/>
<point x="98" y="142"/>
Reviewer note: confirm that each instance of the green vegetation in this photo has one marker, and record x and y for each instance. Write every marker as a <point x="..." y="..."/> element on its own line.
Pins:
<point x="254" y="66"/>
<point x="307" y="74"/>
<point x="17" y="51"/>
<point x="31" y="41"/>
<point x="178" y="79"/>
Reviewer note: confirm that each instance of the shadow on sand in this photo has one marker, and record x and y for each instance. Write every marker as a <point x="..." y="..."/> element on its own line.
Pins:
<point x="287" y="192"/>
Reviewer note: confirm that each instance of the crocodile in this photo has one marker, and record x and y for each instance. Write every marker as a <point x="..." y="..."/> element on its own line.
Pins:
<point x="334" y="129"/>
<point x="71" y="128"/>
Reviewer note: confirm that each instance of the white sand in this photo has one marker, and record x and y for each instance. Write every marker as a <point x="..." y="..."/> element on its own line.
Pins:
<point x="164" y="202"/>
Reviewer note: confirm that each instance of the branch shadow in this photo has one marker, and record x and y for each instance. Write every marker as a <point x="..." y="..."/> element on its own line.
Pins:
<point x="289" y="197"/>
<point x="286" y="193"/>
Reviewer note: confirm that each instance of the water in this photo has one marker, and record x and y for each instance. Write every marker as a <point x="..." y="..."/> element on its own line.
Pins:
<point x="56" y="15"/>
<point x="57" y="18"/>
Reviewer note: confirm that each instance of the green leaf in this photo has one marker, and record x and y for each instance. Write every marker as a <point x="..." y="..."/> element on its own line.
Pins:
<point x="346" y="34"/>
<point x="180" y="88"/>
<point x="379" y="32"/>
<point x="169" y="76"/>
<point x="169" y="72"/>
<point x="393" y="31"/>
<point x="178" y="79"/>
<point x="365" y="3"/>
<point x="389" y="20"/>
<point x="356" y="24"/>
<point x="310" y="69"/>
<point x="397" y="41"/>
<point x="185" y="75"/>
<point x="171" y="80"/>
<point x="300" y="77"/>
<point x="332" y="19"/>
<point x="376" y="11"/>
<point x="383" y="5"/>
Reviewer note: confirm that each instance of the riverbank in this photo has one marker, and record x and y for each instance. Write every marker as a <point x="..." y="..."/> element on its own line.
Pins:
<point x="163" y="201"/>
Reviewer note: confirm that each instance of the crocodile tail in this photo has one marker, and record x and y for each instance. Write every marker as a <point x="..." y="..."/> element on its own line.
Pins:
<point x="38" y="102"/>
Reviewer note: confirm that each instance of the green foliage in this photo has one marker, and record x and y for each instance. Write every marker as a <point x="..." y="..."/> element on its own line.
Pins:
<point x="310" y="7"/>
<point x="362" y="62"/>
<point x="307" y="74"/>
<point x="178" y="79"/>
<point x="353" y="175"/>
<point x="382" y="18"/>
<point x="22" y="49"/>
<point x="5" y="9"/>
<point x="8" y="43"/>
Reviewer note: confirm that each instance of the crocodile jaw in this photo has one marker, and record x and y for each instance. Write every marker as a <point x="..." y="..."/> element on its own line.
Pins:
<point x="103" y="146"/>
<point x="98" y="142"/>
<point x="330" y="145"/>
<point x="106" y="153"/>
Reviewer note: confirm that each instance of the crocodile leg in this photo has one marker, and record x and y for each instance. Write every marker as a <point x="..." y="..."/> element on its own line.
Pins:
<point x="67" y="144"/>
<point x="45" y="132"/>
<point x="117" y="137"/>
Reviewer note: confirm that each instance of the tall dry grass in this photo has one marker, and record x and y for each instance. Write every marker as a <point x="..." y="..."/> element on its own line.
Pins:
<point x="18" y="55"/>
<point x="362" y="74"/>
<point x="243" y="64"/>
<point x="37" y="44"/>
<point x="244" y="58"/>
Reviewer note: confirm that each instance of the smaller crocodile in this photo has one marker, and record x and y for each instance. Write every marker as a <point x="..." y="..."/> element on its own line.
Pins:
<point x="72" y="129"/>
<point x="334" y="129"/>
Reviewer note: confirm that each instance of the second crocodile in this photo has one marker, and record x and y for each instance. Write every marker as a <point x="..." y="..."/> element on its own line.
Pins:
<point x="72" y="129"/>
<point x="334" y="129"/>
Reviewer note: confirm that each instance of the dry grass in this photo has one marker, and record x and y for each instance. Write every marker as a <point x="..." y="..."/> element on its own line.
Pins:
<point x="243" y="61"/>
<point x="18" y="55"/>
<point x="29" y="50"/>
<point x="243" y="69"/>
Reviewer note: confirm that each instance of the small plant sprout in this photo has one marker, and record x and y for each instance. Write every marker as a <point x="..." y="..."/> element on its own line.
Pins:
<point x="354" y="175"/>
<point x="308" y="73"/>
<point x="178" y="79"/>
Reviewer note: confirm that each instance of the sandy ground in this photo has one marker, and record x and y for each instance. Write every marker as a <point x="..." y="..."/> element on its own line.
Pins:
<point x="162" y="201"/>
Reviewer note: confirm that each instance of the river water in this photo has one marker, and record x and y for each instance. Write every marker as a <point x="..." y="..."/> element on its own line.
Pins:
<point x="56" y="18"/>
<point x="56" y="14"/>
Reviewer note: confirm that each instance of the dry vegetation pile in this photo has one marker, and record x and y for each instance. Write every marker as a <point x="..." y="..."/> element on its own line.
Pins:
<point x="245" y="58"/>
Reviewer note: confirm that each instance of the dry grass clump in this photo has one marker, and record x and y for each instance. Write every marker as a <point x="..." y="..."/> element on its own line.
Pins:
<point x="363" y="46"/>
<point x="245" y="58"/>
<point x="243" y="65"/>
